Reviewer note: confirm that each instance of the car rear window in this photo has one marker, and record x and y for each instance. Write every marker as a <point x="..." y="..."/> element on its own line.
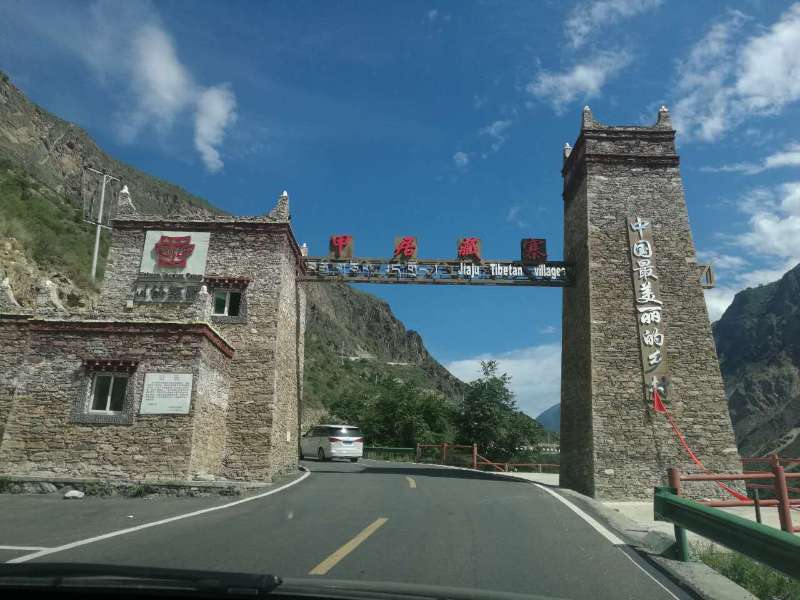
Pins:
<point x="345" y="431"/>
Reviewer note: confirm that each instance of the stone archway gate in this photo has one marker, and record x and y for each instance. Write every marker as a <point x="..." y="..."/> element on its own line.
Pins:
<point x="634" y="315"/>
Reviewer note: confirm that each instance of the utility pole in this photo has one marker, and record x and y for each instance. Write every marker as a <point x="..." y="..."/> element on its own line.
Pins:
<point x="99" y="221"/>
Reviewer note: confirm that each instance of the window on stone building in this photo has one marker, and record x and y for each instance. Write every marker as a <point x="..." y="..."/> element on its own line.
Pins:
<point x="108" y="392"/>
<point x="227" y="303"/>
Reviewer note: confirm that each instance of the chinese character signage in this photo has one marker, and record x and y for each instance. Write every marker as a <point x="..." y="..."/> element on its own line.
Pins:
<point x="469" y="249"/>
<point x="405" y="248"/>
<point x="533" y="251"/>
<point x="649" y="303"/>
<point x="175" y="252"/>
<point x="341" y="246"/>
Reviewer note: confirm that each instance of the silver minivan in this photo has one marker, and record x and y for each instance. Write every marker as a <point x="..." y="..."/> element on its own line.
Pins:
<point x="333" y="441"/>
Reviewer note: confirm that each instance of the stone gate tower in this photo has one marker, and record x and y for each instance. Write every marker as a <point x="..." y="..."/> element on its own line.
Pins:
<point x="613" y="444"/>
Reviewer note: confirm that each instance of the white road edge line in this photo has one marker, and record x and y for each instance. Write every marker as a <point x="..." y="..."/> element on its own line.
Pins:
<point x="24" y="548"/>
<point x="602" y="530"/>
<point x="646" y="572"/>
<point x="105" y="536"/>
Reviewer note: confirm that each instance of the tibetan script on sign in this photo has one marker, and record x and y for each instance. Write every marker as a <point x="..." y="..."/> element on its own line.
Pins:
<point x="648" y="303"/>
<point x="426" y="271"/>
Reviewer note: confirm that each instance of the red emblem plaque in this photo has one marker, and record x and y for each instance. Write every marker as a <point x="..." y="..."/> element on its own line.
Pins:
<point x="174" y="251"/>
<point x="405" y="248"/>
<point x="341" y="246"/>
<point x="469" y="248"/>
<point x="534" y="251"/>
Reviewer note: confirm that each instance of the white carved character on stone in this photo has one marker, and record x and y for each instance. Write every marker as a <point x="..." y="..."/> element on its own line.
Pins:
<point x="653" y="337"/>
<point x="646" y="269"/>
<point x="642" y="249"/>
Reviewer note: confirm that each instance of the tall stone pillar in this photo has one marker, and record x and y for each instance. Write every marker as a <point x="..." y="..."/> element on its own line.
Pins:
<point x="613" y="444"/>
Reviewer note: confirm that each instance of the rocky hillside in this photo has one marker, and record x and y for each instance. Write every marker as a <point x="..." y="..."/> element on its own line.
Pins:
<point x="758" y="343"/>
<point x="43" y="237"/>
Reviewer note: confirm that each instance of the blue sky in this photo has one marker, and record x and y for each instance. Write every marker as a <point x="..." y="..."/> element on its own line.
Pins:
<point x="437" y="119"/>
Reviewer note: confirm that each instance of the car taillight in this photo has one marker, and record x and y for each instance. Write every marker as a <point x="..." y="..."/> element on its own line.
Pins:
<point x="358" y="440"/>
<point x="334" y="440"/>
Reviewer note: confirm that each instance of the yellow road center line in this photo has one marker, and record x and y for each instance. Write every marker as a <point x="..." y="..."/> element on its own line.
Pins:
<point x="411" y="483"/>
<point x="330" y="562"/>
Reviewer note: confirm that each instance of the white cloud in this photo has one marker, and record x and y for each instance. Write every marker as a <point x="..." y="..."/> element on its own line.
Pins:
<point x="788" y="157"/>
<point x="772" y="237"/>
<point x="129" y="49"/>
<point x="497" y="131"/>
<point x="725" y="81"/>
<point x="513" y="217"/>
<point x="548" y="330"/>
<point x="432" y="14"/>
<point x="461" y="159"/>
<point x="589" y="16"/>
<point x="216" y="110"/>
<point x="535" y="374"/>
<point x="582" y="81"/>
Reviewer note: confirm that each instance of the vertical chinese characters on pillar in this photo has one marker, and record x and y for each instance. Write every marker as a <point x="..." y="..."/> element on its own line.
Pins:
<point x="649" y="305"/>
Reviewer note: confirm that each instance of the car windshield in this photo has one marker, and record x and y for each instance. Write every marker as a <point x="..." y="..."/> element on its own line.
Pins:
<point x="304" y="297"/>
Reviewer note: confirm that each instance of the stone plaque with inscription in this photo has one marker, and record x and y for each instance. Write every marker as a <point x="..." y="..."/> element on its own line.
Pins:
<point x="166" y="394"/>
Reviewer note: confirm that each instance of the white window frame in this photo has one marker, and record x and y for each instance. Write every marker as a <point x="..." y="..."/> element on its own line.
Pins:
<point x="227" y="302"/>
<point x="114" y="377"/>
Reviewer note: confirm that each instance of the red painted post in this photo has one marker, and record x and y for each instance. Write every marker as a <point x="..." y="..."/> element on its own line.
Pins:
<point x="474" y="456"/>
<point x="674" y="478"/>
<point x="782" y="494"/>
<point x="444" y="453"/>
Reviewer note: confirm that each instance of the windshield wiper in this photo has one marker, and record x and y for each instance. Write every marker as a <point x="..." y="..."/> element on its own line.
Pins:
<point x="95" y="575"/>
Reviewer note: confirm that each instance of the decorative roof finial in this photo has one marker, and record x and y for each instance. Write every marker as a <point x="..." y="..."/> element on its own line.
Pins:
<point x="567" y="151"/>
<point x="588" y="118"/>
<point x="664" y="118"/>
<point x="281" y="211"/>
<point x="125" y="205"/>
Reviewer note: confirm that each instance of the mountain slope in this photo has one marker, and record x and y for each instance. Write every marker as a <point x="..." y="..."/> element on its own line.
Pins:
<point x="43" y="236"/>
<point x="758" y="344"/>
<point x="550" y="419"/>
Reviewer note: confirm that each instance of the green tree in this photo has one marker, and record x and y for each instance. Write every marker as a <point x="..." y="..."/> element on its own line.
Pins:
<point x="490" y="418"/>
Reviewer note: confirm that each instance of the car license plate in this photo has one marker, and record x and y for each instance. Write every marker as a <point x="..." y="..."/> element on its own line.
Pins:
<point x="347" y="443"/>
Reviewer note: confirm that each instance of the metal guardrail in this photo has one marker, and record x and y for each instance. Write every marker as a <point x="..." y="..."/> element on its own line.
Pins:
<point x="773" y="547"/>
<point x="391" y="453"/>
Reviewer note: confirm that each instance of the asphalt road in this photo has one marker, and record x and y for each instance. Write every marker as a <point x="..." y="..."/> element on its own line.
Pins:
<point x="373" y="521"/>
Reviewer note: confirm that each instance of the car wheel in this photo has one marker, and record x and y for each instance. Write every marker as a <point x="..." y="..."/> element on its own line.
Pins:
<point x="321" y="454"/>
<point x="353" y="460"/>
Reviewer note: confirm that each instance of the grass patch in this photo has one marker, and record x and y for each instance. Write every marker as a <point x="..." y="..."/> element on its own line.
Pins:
<point x="760" y="580"/>
<point x="49" y="226"/>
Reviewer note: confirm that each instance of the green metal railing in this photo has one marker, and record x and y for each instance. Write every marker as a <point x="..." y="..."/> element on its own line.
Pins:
<point x="397" y="454"/>
<point x="773" y="547"/>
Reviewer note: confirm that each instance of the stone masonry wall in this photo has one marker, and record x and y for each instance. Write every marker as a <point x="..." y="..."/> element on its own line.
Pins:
<point x="629" y="172"/>
<point x="287" y="378"/>
<point x="42" y="439"/>
<point x="577" y="452"/>
<point x="210" y="409"/>
<point x="256" y="255"/>
<point x="14" y="336"/>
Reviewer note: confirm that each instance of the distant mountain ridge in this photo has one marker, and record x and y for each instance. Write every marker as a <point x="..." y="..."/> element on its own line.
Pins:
<point x="550" y="419"/>
<point x="758" y="344"/>
<point x="42" y="236"/>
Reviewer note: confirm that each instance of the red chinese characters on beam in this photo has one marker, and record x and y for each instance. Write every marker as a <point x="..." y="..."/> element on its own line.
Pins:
<point x="533" y="251"/>
<point x="341" y="246"/>
<point x="173" y="252"/>
<point x="469" y="248"/>
<point x="405" y="248"/>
